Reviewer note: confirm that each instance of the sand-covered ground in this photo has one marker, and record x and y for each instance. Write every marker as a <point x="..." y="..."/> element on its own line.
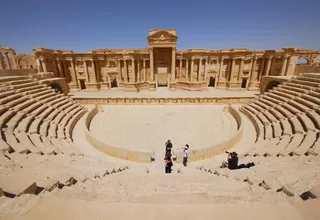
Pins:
<point x="147" y="128"/>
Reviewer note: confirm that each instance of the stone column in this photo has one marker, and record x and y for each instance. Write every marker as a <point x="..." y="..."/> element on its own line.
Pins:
<point x="74" y="75"/>
<point x="200" y="69"/>
<point x="220" y="69"/>
<point x="240" y="69"/>
<point x="261" y="68"/>
<point x="94" y="72"/>
<point x="120" y="71"/>
<point x="138" y="70"/>
<point x="151" y="65"/>
<point x="109" y="80"/>
<point x="191" y="71"/>
<point x="144" y="71"/>
<point x="126" y="70"/>
<point x="231" y="68"/>
<point x="133" y="70"/>
<point x="44" y="65"/>
<point x="205" y="69"/>
<point x="60" y="71"/>
<point x="66" y="74"/>
<point x="254" y="63"/>
<point x="1" y="66"/>
<point x="8" y="60"/>
<point x="180" y="69"/>
<point x="86" y="71"/>
<point x="14" y="63"/>
<point x="187" y="69"/>
<point x="268" y="66"/>
<point x="284" y="66"/>
<point x="173" y="64"/>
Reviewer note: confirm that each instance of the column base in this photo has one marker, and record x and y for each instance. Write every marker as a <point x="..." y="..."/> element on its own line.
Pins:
<point x="191" y="86"/>
<point x="173" y="85"/>
<point x="254" y="86"/>
<point x="92" y="86"/>
<point x="104" y="86"/>
<point x="73" y="87"/>
<point x="222" y="85"/>
<point x="234" y="85"/>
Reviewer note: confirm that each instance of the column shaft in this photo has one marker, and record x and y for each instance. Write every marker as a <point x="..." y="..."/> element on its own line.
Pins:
<point x="254" y="63"/>
<point x="133" y="70"/>
<point x="138" y="70"/>
<point x="86" y="71"/>
<point x="1" y="58"/>
<point x="205" y="70"/>
<point x="191" y="71"/>
<point x="200" y="69"/>
<point x="220" y="69"/>
<point x="44" y="65"/>
<point x="263" y="60"/>
<point x="173" y="64"/>
<point x="74" y="77"/>
<point x="126" y="70"/>
<point x="284" y="66"/>
<point x="187" y="70"/>
<point x="120" y="71"/>
<point x="240" y="69"/>
<point x="151" y="65"/>
<point x="144" y="70"/>
<point x="231" y="69"/>
<point x="268" y="66"/>
<point x="180" y="68"/>
<point x="8" y="60"/>
<point x="94" y="72"/>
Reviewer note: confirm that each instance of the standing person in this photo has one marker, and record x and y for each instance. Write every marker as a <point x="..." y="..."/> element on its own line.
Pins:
<point x="185" y="155"/>
<point x="168" y="146"/>
<point x="168" y="163"/>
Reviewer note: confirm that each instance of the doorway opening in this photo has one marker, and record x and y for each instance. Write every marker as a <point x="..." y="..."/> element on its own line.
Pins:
<point x="82" y="84"/>
<point x="244" y="83"/>
<point x="212" y="81"/>
<point x="57" y="88"/>
<point x="114" y="83"/>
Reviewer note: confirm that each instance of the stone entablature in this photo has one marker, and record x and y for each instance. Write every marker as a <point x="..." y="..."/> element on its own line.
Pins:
<point x="162" y="65"/>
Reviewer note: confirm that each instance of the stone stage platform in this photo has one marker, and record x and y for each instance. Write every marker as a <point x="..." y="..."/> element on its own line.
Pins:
<point x="162" y="96"/>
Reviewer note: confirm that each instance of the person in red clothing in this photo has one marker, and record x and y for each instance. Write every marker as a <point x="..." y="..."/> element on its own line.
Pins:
<point x="168" y="163"/>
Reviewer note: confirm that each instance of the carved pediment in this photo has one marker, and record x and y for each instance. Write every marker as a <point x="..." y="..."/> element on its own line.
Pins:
<point x="162" y="36"/>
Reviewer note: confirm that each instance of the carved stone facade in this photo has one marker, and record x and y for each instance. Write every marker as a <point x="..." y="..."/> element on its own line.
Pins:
<point x="10" y="60"/>
<point x="162" y="65"/>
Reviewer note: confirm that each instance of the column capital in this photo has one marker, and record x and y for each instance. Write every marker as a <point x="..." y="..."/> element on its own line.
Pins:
<point x="270" y="57"/>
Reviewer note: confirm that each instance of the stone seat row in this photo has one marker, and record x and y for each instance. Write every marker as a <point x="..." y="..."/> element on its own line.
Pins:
<point x="25" y="173"/>
<point x="284" y="112"/>
<point x="287" y="139"/>
<point x="291" y="175"/>
<point x="25" y="108"/>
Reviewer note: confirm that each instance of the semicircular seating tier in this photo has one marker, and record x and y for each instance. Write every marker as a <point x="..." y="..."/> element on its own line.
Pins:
<point x="37" y="153"/>
<point x="35" y="119"/>
<point x="287" y="118"/>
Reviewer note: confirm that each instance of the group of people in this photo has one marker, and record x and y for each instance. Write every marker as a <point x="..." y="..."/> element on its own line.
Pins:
<point x="168" y="156"/>
<point x="231" y="163"/>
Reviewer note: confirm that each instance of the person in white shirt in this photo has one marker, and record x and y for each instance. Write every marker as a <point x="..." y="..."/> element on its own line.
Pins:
<point x="185" y="155"/>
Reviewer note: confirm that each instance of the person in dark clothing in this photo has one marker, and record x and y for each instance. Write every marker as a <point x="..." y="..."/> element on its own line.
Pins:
<point x="232" y="163"/>
<point x="168" y="163"/>
<point x="168" y="146"/>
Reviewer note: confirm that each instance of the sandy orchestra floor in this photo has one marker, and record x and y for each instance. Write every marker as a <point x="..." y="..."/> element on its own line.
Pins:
<point x="147" y="128"/>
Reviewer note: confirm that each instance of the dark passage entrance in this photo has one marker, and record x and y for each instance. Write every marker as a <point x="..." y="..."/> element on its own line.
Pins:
<point x="114" y="83"/>
<point x="244" y="83"/>
<point x="212" y="81"/>
<point x="82" y="84"/>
